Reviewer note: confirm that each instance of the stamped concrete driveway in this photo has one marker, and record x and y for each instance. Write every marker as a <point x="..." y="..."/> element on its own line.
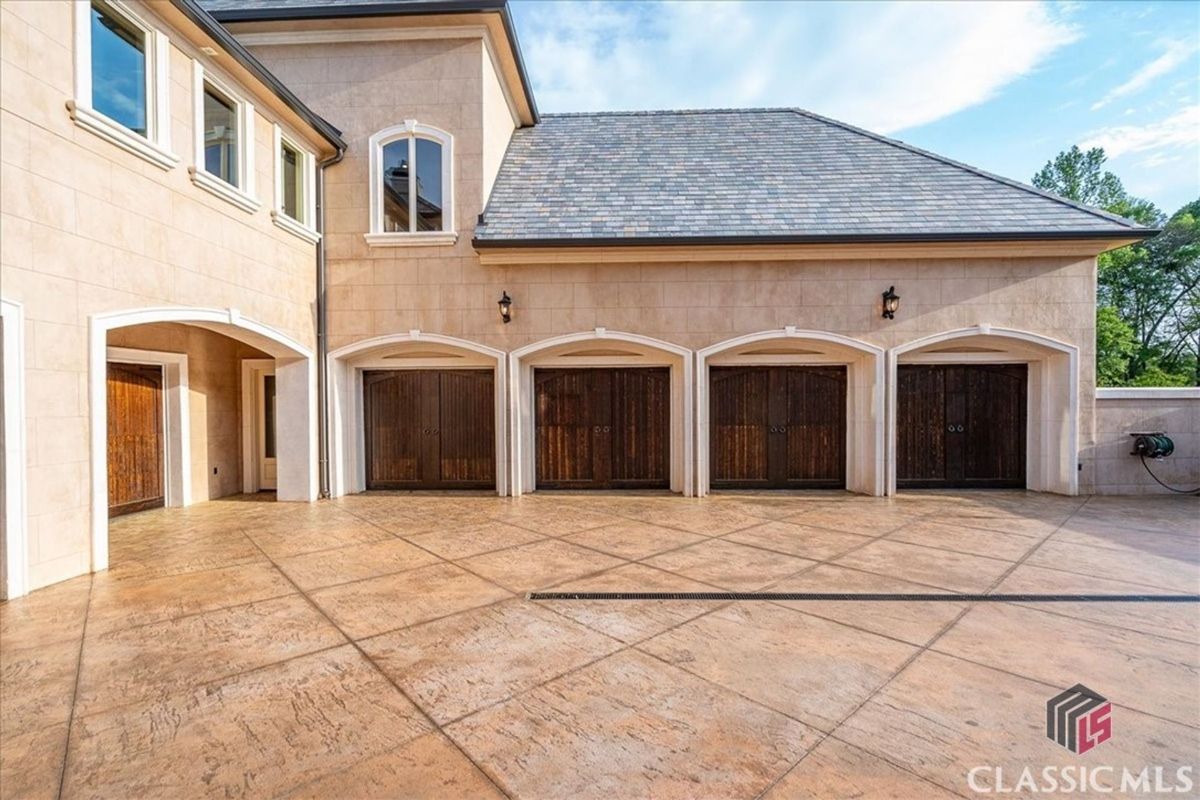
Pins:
<point x="383" y="646"/>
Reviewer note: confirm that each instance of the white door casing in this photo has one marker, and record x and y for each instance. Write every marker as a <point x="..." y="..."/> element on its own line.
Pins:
<point x="616" y="349"/>
<point x="412" y="350"/>
<point x="1052" y="428"/>
<point x="177" y="483"/>
<point x="14" y="560"/>
<point x="865" y="449"/>
<point x="258" y="471"/>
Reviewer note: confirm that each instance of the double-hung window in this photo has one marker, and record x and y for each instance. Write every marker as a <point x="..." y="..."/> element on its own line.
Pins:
<point x="412" y="186"/>
<point x="224" y="140"/>
<point x="295" y="188"/>
<point x="121" y="81"/>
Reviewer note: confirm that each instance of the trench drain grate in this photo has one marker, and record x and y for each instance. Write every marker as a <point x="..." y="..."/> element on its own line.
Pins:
<point x="872" y="597"/>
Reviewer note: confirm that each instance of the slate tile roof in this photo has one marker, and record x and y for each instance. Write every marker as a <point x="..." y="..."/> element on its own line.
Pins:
<point x="769" y="174"/>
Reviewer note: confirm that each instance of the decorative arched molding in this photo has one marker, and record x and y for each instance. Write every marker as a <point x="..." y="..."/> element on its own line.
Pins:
<point x="646" y="351"/>
<point x="295" y="377"/>
<point x="14" y="580"/>
<point x="1052" y="451"/>
<point x="410" y="130"/>
<point x="865" y="364"/>
<point x="347" y="446"/>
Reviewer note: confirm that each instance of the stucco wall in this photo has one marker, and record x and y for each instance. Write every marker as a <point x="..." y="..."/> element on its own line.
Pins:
<point x="1120" y="412"/>
<point x="89" y="228"/>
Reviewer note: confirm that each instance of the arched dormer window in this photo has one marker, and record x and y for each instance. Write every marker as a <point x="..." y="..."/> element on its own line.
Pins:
<point x="412" y="186"/>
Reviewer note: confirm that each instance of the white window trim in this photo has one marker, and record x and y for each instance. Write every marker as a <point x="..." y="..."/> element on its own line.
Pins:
<point x="241" y="195"/>
<point x="156" y="146"/>
<point x="411" y="130"/>
<point x="304" y="228"/>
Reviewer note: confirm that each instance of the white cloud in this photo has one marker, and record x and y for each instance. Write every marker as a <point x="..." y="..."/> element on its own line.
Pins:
<point x="1180" y="130"/>
<point x="885" y="67"/>
<point x="1175" y="53"/>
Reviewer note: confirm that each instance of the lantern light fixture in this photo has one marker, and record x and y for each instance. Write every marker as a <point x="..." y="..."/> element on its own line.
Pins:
<point x="505" y="303"/>
<point x="891" y="303"/>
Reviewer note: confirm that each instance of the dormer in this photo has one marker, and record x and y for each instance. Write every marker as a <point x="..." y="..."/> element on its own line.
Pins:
<point x="429" y="97"/>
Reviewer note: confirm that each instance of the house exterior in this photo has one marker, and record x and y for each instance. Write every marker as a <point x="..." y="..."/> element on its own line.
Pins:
<point x="262" y="244"/>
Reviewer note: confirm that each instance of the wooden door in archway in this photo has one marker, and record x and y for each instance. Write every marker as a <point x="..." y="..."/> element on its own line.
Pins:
<point x="135" y="438"/>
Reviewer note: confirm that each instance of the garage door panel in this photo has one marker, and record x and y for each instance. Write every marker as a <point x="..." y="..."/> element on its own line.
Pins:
<point x="392" y="421"/>
<point x="995" y="405"/>
<point x="641" y="408"/>
<point x="429" y="429"/>
<point x="961" y="425"/>
<point x="602" y="428"/>
<point x="920" y="426"/>
<point x="816" y="426"/>
<point x="466" y="427"/>
<point x="777" y="427"/>
<point x="738" y="425"/>
<point x="564" y="450"/>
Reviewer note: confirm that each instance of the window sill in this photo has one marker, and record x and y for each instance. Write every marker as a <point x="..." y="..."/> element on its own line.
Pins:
<point x="213" y="184"/>
<point x="121" y="136"/>
<point x="422" y="239"/>
<point x="295" y="228"/>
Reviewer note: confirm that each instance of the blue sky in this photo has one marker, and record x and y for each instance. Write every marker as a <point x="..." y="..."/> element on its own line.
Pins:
<point x="1003" y="86"/>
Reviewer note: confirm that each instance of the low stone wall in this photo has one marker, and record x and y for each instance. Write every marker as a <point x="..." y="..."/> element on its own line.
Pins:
<point x="1175" y="412"/>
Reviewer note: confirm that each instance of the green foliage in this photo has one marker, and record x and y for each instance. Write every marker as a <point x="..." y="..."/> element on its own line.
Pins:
<point x="1155" y="375"/>
<point x="1115" y="344"/>
<point x="1148" y="319"/>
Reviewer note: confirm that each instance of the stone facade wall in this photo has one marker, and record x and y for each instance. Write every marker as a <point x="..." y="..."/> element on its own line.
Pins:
<point x="88" y="228"/>
<point x="1119" y="412"/>
<point x="376" y="291"/>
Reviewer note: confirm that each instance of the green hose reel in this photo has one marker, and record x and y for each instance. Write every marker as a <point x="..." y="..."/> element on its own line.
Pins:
<point x="1152" y="445"/>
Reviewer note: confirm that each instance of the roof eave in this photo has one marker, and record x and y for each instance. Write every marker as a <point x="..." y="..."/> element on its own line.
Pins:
<point x="1130" y="235"/>
<point x="397" y="9"/>
<point x="218" y="33"/>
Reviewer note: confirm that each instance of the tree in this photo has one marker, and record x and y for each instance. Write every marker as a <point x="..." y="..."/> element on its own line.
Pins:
<point x="1115" y="344"/>
<point x="1081" y="177"/>
<point x="1151" y="288"/>
<point x="1155" y="287"/>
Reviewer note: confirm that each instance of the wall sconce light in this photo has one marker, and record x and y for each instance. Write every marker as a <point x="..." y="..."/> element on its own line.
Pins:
<point x="891" y="303"/>
<point x="505" y="304"/>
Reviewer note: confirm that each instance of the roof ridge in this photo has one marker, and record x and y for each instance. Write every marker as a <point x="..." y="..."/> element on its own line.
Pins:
<point x="1097" y="212"/>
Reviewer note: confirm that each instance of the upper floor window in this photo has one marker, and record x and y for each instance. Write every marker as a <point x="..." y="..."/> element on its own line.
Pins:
<point x="120" y="77"/>
<point x="220" y="136"/>
<point x="412" y="186"/>
<point x="295" y="188"/>
<point x="224" y="133"/>
<point x="121" y="82"/>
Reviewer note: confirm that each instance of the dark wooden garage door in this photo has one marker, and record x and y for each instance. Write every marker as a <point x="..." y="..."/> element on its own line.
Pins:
<point x="961" y="426"/>
<point x="602" y="428"/>
<point x="135" y="438"/>
<point x="777" y="427"/>
<point x="430" y="429"/>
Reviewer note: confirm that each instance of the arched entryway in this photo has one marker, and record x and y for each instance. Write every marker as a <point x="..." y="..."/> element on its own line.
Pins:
<point x="618" y="413"/>
<point x="984" y="407"/>
<point x="157" y="383"/>
<point x="417" y="410"/>
<point x="808" y="408"/>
